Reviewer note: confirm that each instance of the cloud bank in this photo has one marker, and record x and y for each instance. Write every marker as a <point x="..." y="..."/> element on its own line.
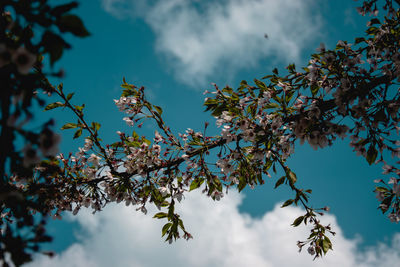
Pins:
<point x="120" y="236"/>
<point x="206" y="40"/>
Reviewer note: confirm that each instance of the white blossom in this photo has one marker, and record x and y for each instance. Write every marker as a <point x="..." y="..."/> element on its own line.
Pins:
<point x="94" y="159"/>
<point x="23" y="59"/>
<point x="128" y="121"/>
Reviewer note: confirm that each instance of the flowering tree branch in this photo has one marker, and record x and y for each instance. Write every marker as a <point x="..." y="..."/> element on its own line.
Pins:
<point x="351" y="90"/>
<point x="336" y="95"/>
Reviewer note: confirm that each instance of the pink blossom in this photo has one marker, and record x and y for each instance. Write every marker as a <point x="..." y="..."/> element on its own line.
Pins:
<point x="128" y="121"/>
<point x="94" y="159"/>
<point x="158" y="138"/>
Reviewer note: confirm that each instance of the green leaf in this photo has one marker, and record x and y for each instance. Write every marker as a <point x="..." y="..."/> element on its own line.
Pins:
<point x="289" y="96"/>
<point x="196" y="183"/>
<point x="69" y="126"/>
<point x="372" y="30"/>
<point x="287" y="203"/>
<point x="165" y="228"/>
<point x="174" y="227"/>
<point x="78" y="133"/>
<point x="374" y="21"/>
<point x="280" y="181"/>
<point x="128" y="87"/>
<point x="159" y="109"/>
<point x="147" y="141"/>
<point x="291" y="176"/>
<point x="291" y="67"/>
<point x="267" y="166"/>
<point x="271" y="105"/>
<point x="96" y="126"/>
<point x="135" y="136"/>
<point x="260" y="84"/>
<point x="242" y="184"/>
<point x="210" y="101"/>
<point x="387" y="203"/>
<point x="381" y="189"/>
<point x="372" y="153"/>
<point x="79" y="108"/>
<point x="73" y="24"/>
<point x="298" y="221"/>
<point x="69" y="96"/>
<point x="359" y="40"/>
<point x="171" y="210"/>
<point x="244" y="83"/>
<point x="218" y="110"/>
<point x="53" y="105"/>
<point x="160" y="215"/>
<point x="326" y="245"/>
<point x="180" y="223"/>
<point x="218" y="184"/>
<point x="314" y="89"/>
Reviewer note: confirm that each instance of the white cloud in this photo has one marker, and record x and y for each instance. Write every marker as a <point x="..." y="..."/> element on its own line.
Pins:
<point x="126" y="8"/>
<point x="206" y="40"/>
<point x="349" y="17"/>
<point x="120" y="236"/>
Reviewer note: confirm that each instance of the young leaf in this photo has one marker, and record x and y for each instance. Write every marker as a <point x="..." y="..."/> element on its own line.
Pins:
<point x="96" y="126"/>
<point x="78" y="133"/>
<point x="69" y="96"/>
<point x="260" y="84"/>
<point x="280" y="181"/>
<point x="160" y="215"/>
<point x="79" y="108"/>
<point x="196" y="183"/>
<point x="53" y="105"/>
<point x="69" y="126"/>
<point x="180" y="223"/>
<point x="314" y="89"/>
<point x="287" y="203"/>
<point x="159" y="109"/>
<point x="291" y="176"/>
<point x="298" y="221"/>
<point x="326" y="245"/>
<point x="242" y="184"/>
<point x="165" y="228"/>
<point x="381" y="189"/>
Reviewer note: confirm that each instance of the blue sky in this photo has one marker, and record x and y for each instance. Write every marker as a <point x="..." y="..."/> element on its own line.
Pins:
<point x="176" y="49"/>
